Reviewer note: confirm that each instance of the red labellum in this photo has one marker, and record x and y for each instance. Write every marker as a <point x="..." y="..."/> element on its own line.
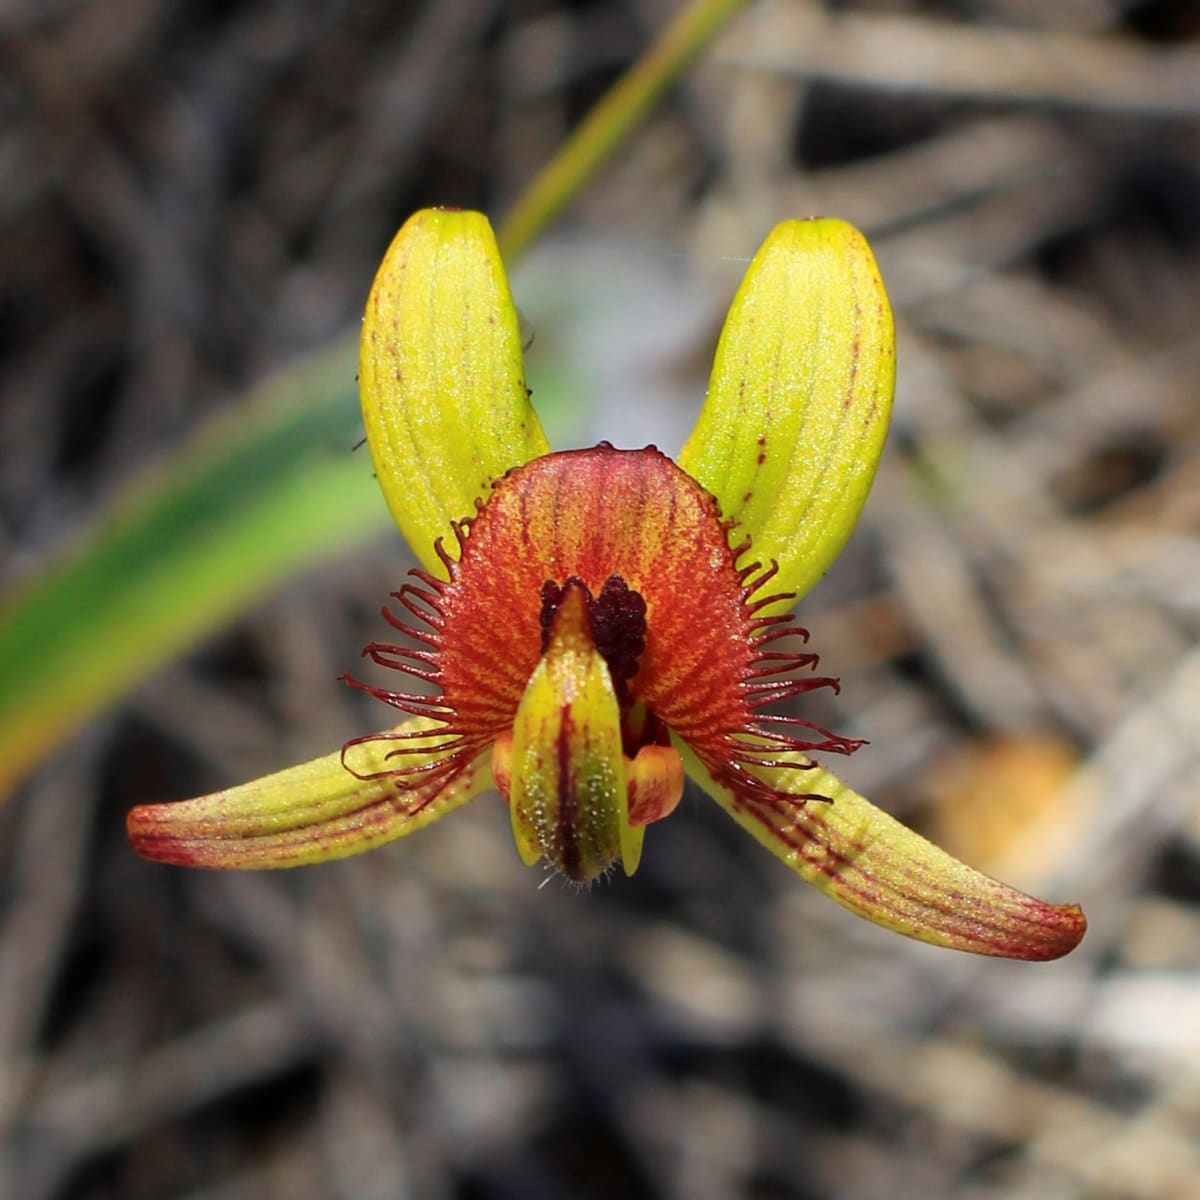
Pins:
<point x="674" y="611"/>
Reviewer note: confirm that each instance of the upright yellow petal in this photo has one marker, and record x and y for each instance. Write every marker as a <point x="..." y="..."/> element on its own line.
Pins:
<point x="308" y="813"/>
<point x="874" y="866"/>
<point x="441" y="375"/>
<point x="799" y="398"/>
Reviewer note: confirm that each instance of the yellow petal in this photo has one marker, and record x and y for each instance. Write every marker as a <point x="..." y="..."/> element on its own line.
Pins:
<point x="307" y="813"/>
<point x="871" y="864"/>
<point x="567" y="788"/>
<point x="799" y="398"/>
<point x="441" y="375"/>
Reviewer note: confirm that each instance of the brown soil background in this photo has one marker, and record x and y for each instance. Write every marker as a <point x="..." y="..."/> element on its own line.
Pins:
<point x="193" y="194"/>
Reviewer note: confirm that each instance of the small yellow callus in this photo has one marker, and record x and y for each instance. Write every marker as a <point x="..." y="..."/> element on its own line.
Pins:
<point x="563" y="770"/>
<point x="656" y="781"/>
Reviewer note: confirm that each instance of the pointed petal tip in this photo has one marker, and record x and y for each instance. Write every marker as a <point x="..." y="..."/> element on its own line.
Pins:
<point x="146" y="839"/>
<point x="152" y="837"/>
<point x="1061" y="928"/>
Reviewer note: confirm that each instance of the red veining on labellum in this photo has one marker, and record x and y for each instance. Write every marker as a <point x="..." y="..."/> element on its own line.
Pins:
<point x="678" y="616"/>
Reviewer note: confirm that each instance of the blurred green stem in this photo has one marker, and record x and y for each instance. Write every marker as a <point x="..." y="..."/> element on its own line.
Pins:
<point x="612" y="120"/>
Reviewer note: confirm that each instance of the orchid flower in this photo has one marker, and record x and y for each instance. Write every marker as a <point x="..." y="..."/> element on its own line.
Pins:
<point x="588" y="628"/>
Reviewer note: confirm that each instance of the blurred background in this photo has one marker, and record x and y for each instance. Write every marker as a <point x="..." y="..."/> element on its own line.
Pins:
<point x="197" y="194"/>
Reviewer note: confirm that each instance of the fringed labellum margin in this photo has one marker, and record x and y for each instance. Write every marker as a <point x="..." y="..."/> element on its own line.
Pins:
<point x="590" y="639"/>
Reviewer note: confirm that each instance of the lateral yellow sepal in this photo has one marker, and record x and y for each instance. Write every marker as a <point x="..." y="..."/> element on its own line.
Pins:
<point x="799" y="397"/>
<point x="880" y="869"/>
<point x="312" y="812"/>
<point x="441" y="375"/>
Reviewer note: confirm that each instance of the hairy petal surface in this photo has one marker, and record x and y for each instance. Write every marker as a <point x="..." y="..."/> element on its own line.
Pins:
<point x="308" y="813"/>
<point x="874" y="866"/>
<point x="799" y="397"/>
<point x="441" y="375"/>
